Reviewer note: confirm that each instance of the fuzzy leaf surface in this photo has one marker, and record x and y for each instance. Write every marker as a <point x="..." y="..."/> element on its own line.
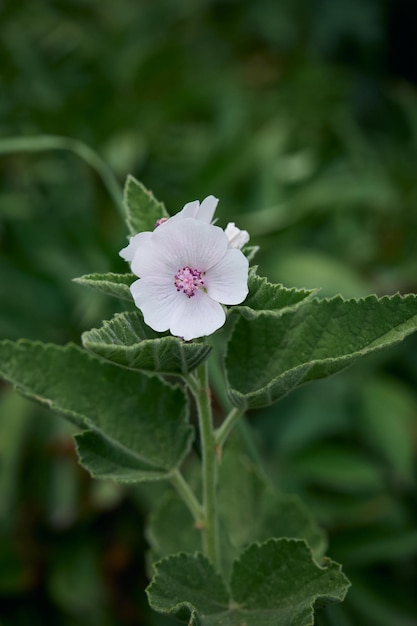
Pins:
<point x="116" y="285"/>
<point x="188" y="587"/>
<point x="276" y="583"/>
<point x="268" y="297"/>
<point x="269" y="356"/>
<point x="250" y="510"/>
<point x="254" y="510"/>
<point x="136" y="427"/>
<point x="127" y="341"/>
<point x="142" y="208"/>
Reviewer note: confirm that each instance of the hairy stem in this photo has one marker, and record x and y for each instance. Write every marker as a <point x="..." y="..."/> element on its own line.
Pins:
<point x="225" y="429"/>
<point x="201" y="393"/>
<point x="185" y="492"/>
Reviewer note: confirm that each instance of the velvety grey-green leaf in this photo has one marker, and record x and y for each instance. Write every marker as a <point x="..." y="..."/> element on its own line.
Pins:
<point x="142" y="208"/>
<point x="107" y="459"/>
<point x="187" y="587"/>
<point x="137" y="426"/>
<point x="171" y="528"/>
<point x="253" y="510"/>
<point x="250" y="252"/>
<point x="250" y="510"/>
<point x="116" y="285"/>
<point x="268" y="297"/>
<point x="277" y="583"/>
<point x="127" y="341"/>
<point x="269" y="356"/>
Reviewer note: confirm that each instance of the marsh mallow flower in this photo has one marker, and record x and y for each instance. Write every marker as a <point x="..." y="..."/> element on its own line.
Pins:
<point x="203" y="211"/>
<point x="187" y="271"/>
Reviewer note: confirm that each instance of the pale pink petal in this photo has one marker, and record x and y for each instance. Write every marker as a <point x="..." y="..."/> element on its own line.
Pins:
<point x="177" y="244"/>
<point x="189" y="210"/>
<point x="153" y="258"/>
<point x="135" y="243"/>
<point x="194" y="209"/>
<point x="227" y="281"/>
<point x="157" y="299"/>
<point x="196" y="317"/>
<point x="207" y="209"/>
<point x="195" y="243"/>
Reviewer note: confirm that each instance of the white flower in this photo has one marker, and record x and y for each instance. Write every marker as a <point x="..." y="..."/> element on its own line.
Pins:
<point x="187" y="271"/>
<point x="203" y="211"/>
<point x="237" y="238"/>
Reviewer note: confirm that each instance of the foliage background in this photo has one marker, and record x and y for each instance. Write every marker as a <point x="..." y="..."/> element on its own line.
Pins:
<point x="301" y="116"/>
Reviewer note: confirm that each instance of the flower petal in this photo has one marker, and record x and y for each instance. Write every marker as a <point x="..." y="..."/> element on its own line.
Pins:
<point x="227" y="281"/>
<point x="189" y="210"/>
<point x="152" y="259"/>
<point x="196" y="317"/>
<point x="135" y="243"/>
<point x="174" y="245"/>
<point x="203" y="212"/>
<point x="157" y="301"/>
<point x="207" y="209"/>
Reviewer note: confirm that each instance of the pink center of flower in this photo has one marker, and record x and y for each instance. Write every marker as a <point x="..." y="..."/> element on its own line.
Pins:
<point x="188" y="280"/>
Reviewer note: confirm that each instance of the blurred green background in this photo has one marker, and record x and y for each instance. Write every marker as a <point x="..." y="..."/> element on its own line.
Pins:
<point x="301" y="116"/>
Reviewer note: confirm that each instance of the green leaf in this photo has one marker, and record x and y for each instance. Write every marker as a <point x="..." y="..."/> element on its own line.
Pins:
<point x="137" y="427"/>
<point x="276" y="583"/>
<point x="269" y="356"/>
<point x="250" y="252"/>
<point x="127" y="341"/>
<point x="249" y="508"/>
<point x="188" y="587"/>
<point x="387" y="423"/>
<point x="171" y="528"/>
<point x="143" y="210"/>
<point x="267" y="297"/>
<point x="253" y="510"/>
<point x="116" y="285"/>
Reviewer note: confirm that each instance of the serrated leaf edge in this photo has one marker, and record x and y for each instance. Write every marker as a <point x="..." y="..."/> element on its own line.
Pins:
<point x="131" y="180"/>
<point x="328" y="562"/>
<point x="168" y="339"/>
<point x="242" y="400"/>
<point x="175" y="608"/>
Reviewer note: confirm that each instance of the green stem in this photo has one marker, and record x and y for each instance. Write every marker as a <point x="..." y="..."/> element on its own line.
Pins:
<point x="42" y="143"/>
<point x="186" y="493"/>
<point x="209" y="465"/>
<point x="225" y="429"/>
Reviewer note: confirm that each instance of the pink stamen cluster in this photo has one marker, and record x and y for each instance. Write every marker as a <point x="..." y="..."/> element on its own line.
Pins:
<point x="188" y="280"/>
<point x="161" y="220"/>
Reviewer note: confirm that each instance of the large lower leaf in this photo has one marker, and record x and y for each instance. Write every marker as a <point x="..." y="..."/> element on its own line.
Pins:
<point x="143" y="210"/>
<point x="187" y="586"/>
<point x="253" y="510"/>
<point x="136" y="427"/>
<point x="278" y="583"/>
<point x="128" y="341"/>
<point x="269" y="356"/>
<point x="275" y="583"/>
<point x="116" y="285"/>
<point x="250" y="510"/>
